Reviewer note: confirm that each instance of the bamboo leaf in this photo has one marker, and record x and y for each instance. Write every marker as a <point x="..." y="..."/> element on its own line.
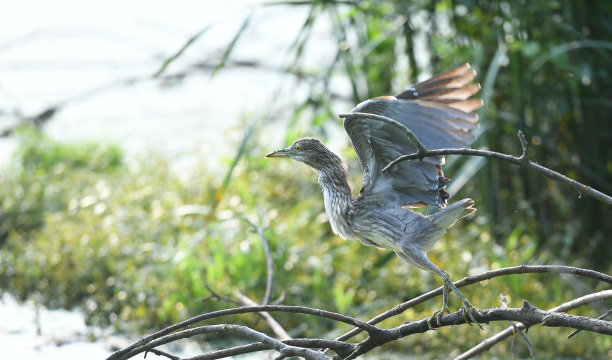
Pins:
<point x="232" y="44"/>
<point x="180" y="52"/>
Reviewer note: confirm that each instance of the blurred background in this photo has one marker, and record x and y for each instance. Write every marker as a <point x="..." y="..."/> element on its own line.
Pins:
<point x="132" y="148"/>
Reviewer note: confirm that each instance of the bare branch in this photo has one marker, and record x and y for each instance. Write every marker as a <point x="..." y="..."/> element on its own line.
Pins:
<point x="269" y="342"/>
<point x="243" y="310"/>
<point x="232" y="351"/>
<point x="603" y="316"/>
<point x="341" y="348"/>
<point x="269" y="262"/>
<point x="522" y="161"/>
<point x="245" y="300"/>
<point x="521" y="269"/>
<point x="528" y="314"/>
<point x="489" y="342"/>
<point x="516" y="329"/>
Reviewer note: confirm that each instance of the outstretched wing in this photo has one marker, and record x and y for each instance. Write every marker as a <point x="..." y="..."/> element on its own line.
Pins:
<point x="439" y="112"/>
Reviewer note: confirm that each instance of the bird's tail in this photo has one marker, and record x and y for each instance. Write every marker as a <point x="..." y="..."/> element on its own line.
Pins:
<point x="447" y="217"/>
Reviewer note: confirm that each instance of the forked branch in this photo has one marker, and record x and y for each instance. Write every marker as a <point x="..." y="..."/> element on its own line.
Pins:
<point x="527" y="315"/>
<point x="521" y="269"/>
<point x="491" y="341"/>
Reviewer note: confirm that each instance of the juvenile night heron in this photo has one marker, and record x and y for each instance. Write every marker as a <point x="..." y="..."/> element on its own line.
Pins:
<point x="439" y="112"/>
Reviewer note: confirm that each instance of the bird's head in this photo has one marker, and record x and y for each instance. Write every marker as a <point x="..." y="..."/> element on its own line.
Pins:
<point x="309" y="151"/>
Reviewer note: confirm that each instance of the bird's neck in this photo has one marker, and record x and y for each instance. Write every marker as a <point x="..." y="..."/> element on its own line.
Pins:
<point x="336" y="182"/>
<point x="337" y="195"/>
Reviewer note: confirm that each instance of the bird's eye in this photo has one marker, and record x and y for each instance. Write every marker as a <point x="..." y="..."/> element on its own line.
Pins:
<point x="299" y="148"/>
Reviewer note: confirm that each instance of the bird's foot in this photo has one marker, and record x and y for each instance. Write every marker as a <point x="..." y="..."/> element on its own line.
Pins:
<point x="469" y="316"/>
<point x="467" y="307"/>
<point x="436" y="315"/>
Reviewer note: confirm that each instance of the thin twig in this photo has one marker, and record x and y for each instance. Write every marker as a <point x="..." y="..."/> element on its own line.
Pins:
<point x="162" y="353"/>
<point x="280" y="299"/>
<point x="269" y="266"/>
<point x="269" y="261"/>
<point x="489" y="342"/>
<point x="522" y="161"/>
<point x="276" y="327"/>
<point x="524" y="146"/>
<point x="516" y="329"/>
<point x="215" y="295"/>
<point x="245" y="300"/>
<point x="521" y="269"/>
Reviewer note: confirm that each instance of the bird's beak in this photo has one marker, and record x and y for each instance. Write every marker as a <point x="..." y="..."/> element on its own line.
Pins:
<point x="282" y="153"/>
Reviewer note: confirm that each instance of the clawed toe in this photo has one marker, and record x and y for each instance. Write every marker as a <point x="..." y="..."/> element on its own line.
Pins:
<point x="436" y="315"/>
<point x="469" y="317"/>
<point x="467" y="312"/>
<point x="466" y="307"/>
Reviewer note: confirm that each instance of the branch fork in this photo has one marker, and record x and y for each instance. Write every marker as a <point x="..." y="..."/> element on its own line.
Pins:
<point x="524" y="145"/>
<point x="527" y="314"/>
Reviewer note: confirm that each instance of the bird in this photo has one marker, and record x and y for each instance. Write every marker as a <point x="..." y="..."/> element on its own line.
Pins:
<point x="440" y="113"/>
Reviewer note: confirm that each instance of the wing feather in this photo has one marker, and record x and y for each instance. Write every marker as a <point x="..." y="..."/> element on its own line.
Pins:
<point x="439" y="112"/>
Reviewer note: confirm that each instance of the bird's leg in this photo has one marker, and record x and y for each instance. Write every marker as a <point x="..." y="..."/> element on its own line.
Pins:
<point x="417" y="257"/>
<point x="444" y="310"/>
<point x="467" y="306"/>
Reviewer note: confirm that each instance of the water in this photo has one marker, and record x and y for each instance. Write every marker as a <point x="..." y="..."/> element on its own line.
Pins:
<point x="76" y="53"/>
<point x="29" y="331"/>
